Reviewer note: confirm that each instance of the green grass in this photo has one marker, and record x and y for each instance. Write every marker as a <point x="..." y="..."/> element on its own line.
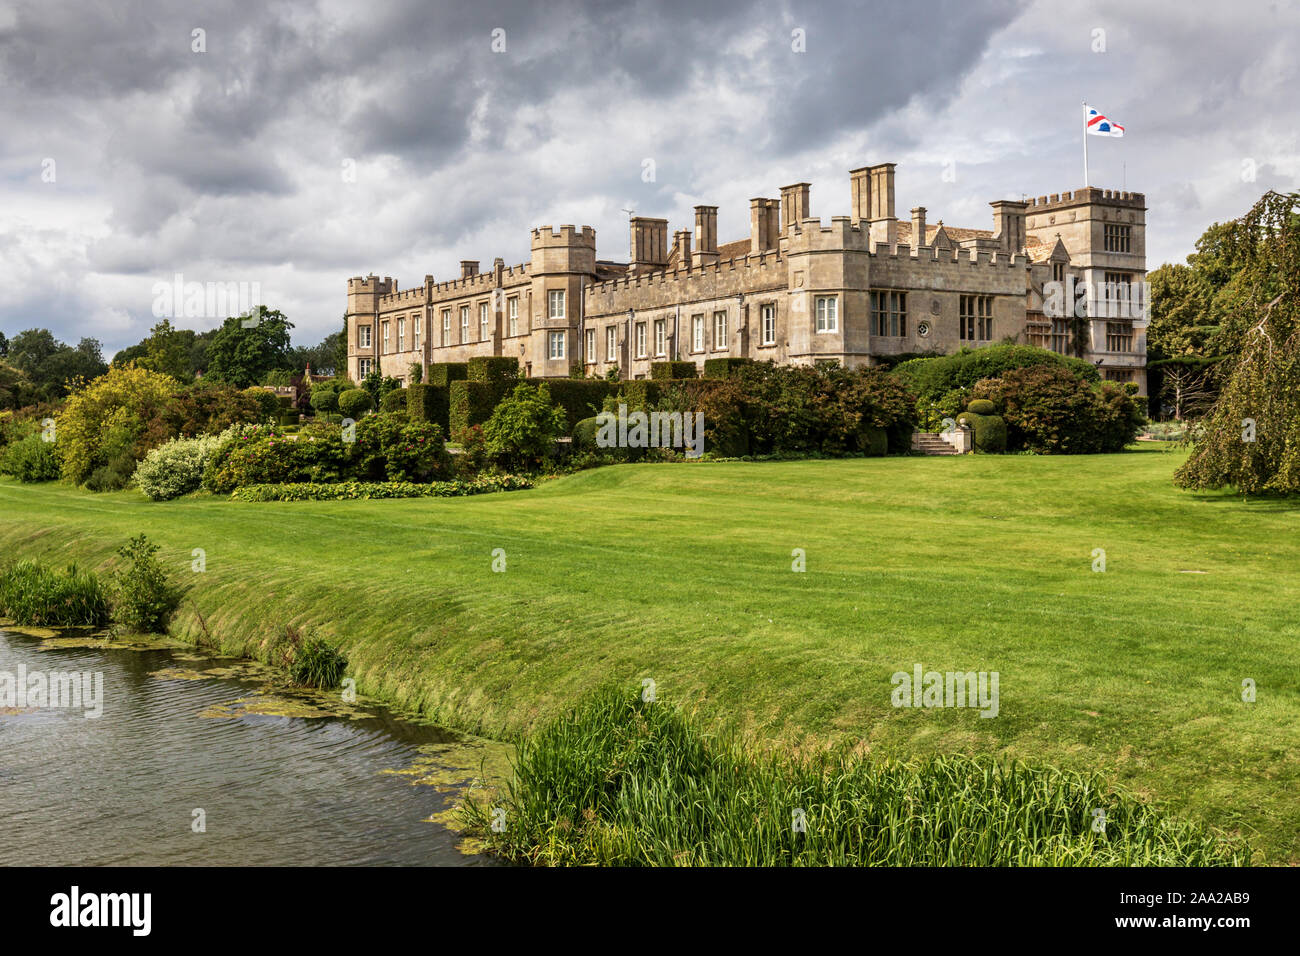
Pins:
<point x="625" y="782"/>
<point x="32" y="593"/>
<point x="681" y="573"/>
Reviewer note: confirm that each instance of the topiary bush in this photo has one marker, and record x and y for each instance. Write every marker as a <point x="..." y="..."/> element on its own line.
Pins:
<point x="499" y="370"/>
<point x="429" y="403"/>
<point x="268" y="406"/>
<point x="990" y="431"/>
<point x="982" y="406"/>
<point x="724" y="367"/>
<point x="394" y="401"/>
<point x="175" y="468"/>
<point x="355" y="402"/>
<point x="324" y="399"/>
<point x="444" y="373"/>
<point x="578" y="398"/>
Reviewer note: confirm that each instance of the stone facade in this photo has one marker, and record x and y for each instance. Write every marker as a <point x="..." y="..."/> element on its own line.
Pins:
<point x="861" y="289"/>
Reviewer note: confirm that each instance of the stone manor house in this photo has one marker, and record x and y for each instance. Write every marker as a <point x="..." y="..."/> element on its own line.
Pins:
<point x="863" y="288"/>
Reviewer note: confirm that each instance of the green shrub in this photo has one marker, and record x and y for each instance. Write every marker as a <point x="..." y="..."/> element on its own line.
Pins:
<point x="429" y="403"/>
<point x="584" y="435"/>
<point x="268" y="405"/>
<point x="982" y="406"/>
<point x="1051" y="410"/>
<point x="144" y="600"/>
<point x="522" y="430"/>
<point x="113" y="475"/>
<point x="444" y="373"/>
<point x="469" y="403"/>
<point x="324" y="399"/>
<point x="875" y="441"/>
<point x="473" y="451"/>
<point x="34" y="594"/>
<point x="394" y="401"/>
<point x="289" y="417"/>
<point x="355" y="402"/>
<point x="663" y="370"/>
<point x="30" y="459"/>
<point x="931" y="378"/>
<point x="175" y="468"/>
<point x="990" y="431"/>
<point x="499" y="370"/>
<point x="394" y="448"/>
<point x="724" y="367"/>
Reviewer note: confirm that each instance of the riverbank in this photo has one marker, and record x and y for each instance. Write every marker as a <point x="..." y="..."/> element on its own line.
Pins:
<point x="683" y="576"/>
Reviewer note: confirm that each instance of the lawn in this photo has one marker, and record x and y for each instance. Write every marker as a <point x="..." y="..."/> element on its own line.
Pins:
<point x="682" y="574"/>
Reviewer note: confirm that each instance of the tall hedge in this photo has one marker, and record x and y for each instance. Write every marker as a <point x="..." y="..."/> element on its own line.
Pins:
<point x="932" y="378"/>
<point x="429" y="403"/>
<point x="444" y="373"/>
<point x="724" y="367"/>
<point x="990" y="431"/>
<point x="394" y="401"/>
<point x="579" y="397"/>
<point x="663" y="370"/>
<point x="470" y="403"/>
<point x="498" y="370"/>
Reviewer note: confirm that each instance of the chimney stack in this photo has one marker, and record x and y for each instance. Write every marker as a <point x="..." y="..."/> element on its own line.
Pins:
<point x="1009" y="224"/>
<point x="649" y="244"/>
<point x="706" y="235"/>
<point x="468" y="267"/>
<point x="918" y="227"/>
<point x="860" y="195"/>
<point x="682" y="243"/>
<point x="794" y="206"/>
<point x="884" y="225"/>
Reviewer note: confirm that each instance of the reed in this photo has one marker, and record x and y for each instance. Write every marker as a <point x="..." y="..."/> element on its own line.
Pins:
<point x="618" y="781"/>
<point x="35" y="594"/>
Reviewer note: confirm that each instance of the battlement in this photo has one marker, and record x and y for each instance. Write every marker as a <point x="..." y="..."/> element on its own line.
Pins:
<point x="764" y="265"/>
<point x="480" y="282"/>
<point x="1114" y="197"/>
<point x="843" y="235"/>
<point x="370" y="283"/>
<point x="545" y="237"/>
<point x="403" y="297"/>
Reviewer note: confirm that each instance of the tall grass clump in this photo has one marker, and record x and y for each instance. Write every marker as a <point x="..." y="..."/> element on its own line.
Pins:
<point x="619" y="781"/>
<point x="34" y="594"/>
<point x="306" y="658"/>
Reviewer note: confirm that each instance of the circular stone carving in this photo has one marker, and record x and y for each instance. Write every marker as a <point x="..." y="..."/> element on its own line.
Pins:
<point x="923" y="329"/>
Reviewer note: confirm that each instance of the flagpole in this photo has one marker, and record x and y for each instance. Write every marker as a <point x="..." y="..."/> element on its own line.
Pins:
<point x="1085" y="144"/>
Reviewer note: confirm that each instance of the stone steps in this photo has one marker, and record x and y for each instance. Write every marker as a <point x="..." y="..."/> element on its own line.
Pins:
<point x="930" y="443"/>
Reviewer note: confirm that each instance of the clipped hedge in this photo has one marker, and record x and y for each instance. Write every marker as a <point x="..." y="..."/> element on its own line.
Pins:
<point x="664" y="370"/>
<point x="394" y="401"/>
<point x="429" y="403"/>
<point x="724" y="367"/>
<point x="358" y="490"/>
<point x="982" y="406"/>
<point x="444" y="373"/>
<point x="584" y="435"/>
<point x="990" y="431"/>
<point x="579" y="397"/>
<point x="354" y="403"/>
<point x="498" y="370"/>
<point x="932" y="378"/>
<point x="469" y="403"/>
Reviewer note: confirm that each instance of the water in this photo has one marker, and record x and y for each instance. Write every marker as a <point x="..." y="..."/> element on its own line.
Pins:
<point x="121" y="789"/>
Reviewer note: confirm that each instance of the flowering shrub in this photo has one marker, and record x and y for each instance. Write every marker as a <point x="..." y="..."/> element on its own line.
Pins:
<point x="175" y="468"/>
<point x="393" y="447"/>
<point x="354" y="490"/>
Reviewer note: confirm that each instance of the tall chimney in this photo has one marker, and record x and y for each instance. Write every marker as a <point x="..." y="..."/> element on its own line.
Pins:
<point x="774" y="221"/>
<point x="882" y="191"/>
<point x="706" y="235"/>
<point x="1009" y="224"/>
<point x="682" y="243"/>
<point x="794" y="206"/>
<point x="918" y="227"/>
<point x="759" y="223"/>
<point x="468" y="267"/>
<point x="860" y="195"/>
<point x="649" y="243"/>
